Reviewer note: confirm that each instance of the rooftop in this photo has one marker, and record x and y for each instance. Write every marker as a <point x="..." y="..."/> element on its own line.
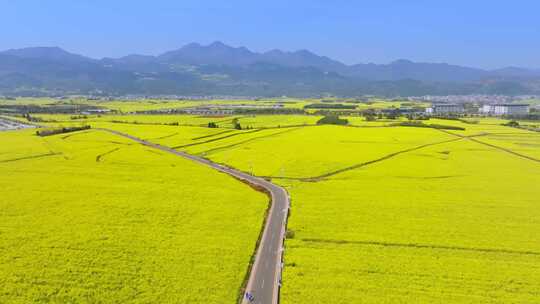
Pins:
<point x="447" y="105"/>
<point x="511" y="105"/>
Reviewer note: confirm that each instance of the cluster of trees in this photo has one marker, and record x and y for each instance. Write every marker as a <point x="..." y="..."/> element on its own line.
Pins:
<point x="74" y="117"/>
<point x="512" y="123"/>
<point x="146" y="123"/>
<point x="236" y="124"/>
<point x="531" y="116"/>
<point x="419" y="124"/>
<point x="417" y="117"/>
<point x="49" y="132"/>
<point x="46" y="109"/>
<point x="371" y="115"/>
<point x="285" y="111"/>
<point x="329" y="106"/>
<point x="332" y="120"/>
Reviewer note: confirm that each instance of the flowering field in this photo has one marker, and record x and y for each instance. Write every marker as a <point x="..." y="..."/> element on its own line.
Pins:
<point x="403" y="214"/>
<point x="380" y="213"/>
<point x="89" y="217"/>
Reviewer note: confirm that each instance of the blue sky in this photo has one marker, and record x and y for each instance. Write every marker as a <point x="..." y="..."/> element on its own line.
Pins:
<point x="487" y="34"/>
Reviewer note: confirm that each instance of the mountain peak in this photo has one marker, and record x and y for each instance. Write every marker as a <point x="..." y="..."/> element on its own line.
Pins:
<point x="217" y="53"/>
<point x="401" y="62"/>
<point x="218" y="44"/>
<point x="304" y="52"/>
<point x="36" y="51"/>
<point x="50" y="53"/>
<point x="192" y="45"/>
<point x="185" y="68"/>
<point x="274" y="52"/>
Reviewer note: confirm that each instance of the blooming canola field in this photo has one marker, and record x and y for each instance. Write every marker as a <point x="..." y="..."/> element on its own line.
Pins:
<point x="90" y="217"/>
<point x="380" y="213"/>
<point x="401" y="214"/>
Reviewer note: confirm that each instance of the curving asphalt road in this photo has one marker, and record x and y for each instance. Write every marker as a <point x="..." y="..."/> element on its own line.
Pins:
<point x="265" y="276"/>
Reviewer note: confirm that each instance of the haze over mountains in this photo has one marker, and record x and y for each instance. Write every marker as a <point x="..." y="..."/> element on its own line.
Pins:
<point x="220" y="69"/>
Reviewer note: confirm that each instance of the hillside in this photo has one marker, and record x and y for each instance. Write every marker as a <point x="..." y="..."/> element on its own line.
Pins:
<point x="221" y="69"/>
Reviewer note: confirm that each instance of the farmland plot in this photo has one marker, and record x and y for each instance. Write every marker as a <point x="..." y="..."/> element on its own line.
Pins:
<point x="445" y="219"/>
<point x="379" y="214"/>
<point x="453" y="223"/>
<point x="93" y="217"/>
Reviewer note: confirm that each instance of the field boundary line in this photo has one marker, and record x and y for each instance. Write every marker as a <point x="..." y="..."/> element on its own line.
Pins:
<point x="212" y="135"/>
<point x="98" y="157"/>
<point x="163" y="137"/>
<point x="246" y="141"/>
<point x="30" y="157"/>
<point x="421" y="246"/>
<point x="215" y="139"/>
<point x="493" y="146"/>
<point x="363" y="164"/>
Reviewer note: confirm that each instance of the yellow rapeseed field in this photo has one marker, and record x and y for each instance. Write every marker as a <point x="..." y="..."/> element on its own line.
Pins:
<point x="380" y="213"/>
<point x="89" y="217"/>
<point x="403" y="214"/>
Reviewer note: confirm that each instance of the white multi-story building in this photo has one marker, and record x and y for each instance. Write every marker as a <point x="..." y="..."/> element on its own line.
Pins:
<point x="445" y="108"/>
<point x="505" y="109"/>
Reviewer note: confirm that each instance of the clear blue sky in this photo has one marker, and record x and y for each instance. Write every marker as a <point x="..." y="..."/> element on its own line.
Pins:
<point x="478" y="33"/>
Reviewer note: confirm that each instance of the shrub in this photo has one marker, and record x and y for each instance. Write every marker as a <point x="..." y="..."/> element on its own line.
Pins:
<point x="332" y="120"/>
<point x="371" y="117"/>
<point x="236" y="124"/>
<point x="419" y="124"/>
<point x="329" y="106"/>
<point x="289" y="234"/>
<point x="49" y="132"/>
<point x="445" y="127"/>
<point x="512" y="123"/>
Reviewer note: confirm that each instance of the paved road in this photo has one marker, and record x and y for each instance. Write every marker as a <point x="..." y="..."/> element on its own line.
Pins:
<point x="7" y="124"/>
<point x="265" y="276"/>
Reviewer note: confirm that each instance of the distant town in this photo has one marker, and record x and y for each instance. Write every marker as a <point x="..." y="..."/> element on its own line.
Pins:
<point x="488" y="105"/>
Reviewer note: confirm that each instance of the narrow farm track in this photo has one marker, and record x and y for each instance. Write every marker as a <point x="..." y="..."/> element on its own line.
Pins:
<point x="212" y="135"/>
<point x="360" y="165"/>
<point x="265" y="273"/>
<point x="246" y="141"/>
<point x="422" y="246"/>
<point x="493" y="146"/>
<point x="391" y="155"/>
<point x="165" y="136"/>
<point x="216" y="139"/>
<point x="99" y="157"/>
<point x="29" y="157"/>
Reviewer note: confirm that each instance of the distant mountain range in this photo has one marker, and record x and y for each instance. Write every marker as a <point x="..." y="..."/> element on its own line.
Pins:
<point x="221" y="69"/>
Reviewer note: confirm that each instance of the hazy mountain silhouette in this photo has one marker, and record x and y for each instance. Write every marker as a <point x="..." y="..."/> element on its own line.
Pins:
<point x="221" y="69"/>
<point x="46" y="53"/>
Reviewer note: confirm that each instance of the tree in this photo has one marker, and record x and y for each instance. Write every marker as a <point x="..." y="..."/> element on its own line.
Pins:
<point x="332" y="120"/>
<point x="236" y="124"/>
<point x="512" y="123"/>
